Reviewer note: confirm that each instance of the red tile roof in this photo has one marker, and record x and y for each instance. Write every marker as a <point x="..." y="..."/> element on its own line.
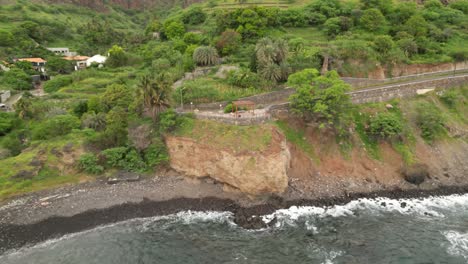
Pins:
<point x="76" y="58"/>
<point x="36" y="60"/>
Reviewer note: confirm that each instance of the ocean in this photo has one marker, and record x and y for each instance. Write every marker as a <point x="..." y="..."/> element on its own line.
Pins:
<point x="428" y="230"/>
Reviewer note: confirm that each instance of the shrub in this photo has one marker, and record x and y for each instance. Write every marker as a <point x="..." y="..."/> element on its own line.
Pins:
<point x="6" y="123"/>
<point x="245" y="78"/>
<point x="174" y="29"/>
<point x="228" y="42"/>
<point x="228" y="108"/>
<point x="205" y="55"/>
<point x="156" y="154"/>
<point x="133" y="162"/>
<point x="17" y="79"/>
<point x="430" y="120"/>
<point x="114" y="156"/>
<point x="194" y="16"/>
<point x="57" y="83"/>
<point x="386" y="125"/>
<point x="13" y="142"/>
<point x="449" y="97"/>
<point x="167" y="121"/>
<point x="80" y="108"/>
<point x="94" y="121"/>
<point x="56" y="126"/>
<point x="89" y="164"/>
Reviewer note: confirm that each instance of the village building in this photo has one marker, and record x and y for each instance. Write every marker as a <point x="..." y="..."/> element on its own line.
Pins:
<point x="62" y="52"/>
<point x="96" y="59"/>
<point x="79" y="60"/>
<point x="38" y="64"/>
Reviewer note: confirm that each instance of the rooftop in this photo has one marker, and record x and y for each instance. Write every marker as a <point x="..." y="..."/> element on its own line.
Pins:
<point x="76" y="58"/>
<point x="36" y="60"/>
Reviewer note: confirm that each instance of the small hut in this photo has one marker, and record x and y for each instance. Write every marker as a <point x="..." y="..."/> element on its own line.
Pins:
<point x="239" y="105"/>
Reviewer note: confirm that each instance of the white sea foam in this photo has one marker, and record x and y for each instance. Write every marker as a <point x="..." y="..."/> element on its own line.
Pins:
<point x="458" y="243"/>
<point x="427" y="207"/>
<point x="332" y="256"/>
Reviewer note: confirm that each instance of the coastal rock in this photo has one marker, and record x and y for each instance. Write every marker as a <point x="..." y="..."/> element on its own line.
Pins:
<point x="416" y="173"/>
<point x="252" y="172"/>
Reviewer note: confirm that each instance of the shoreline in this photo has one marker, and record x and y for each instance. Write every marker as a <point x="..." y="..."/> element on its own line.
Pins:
<point x="13" y="236"/>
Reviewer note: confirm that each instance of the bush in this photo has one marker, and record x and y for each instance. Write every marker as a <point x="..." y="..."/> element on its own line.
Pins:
<point x="386" y="125"/>
<point x="17" y="79"/>
<point x="245" y="78"/>
<point x="56" y="83"/>
<point x="56" y="126"/>
<point x="94" y="121"/>
<point x="167" y="121"/>
<point x="450" y="97"/>
<point x="13" y="142"/>
<point x="89" y="164"/>
<point x="6" y="123"/>
<point x="194" y="16"/>
<point x="228" y="108"/>
<point x="430" y="120"/>
<point x="133" y="162"/>
<point x="228" y="42"/>
<point x="156" y="154"/>
<point x="114" y="156"/>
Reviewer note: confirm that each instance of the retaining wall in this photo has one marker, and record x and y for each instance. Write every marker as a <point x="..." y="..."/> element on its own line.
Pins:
<point x="405" y="90"/>
<point x="243" y="120"/>
<point x="259" y="99"/>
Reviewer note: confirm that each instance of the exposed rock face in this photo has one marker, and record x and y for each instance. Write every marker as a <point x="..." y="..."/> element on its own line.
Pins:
<point x="253" y="172"/>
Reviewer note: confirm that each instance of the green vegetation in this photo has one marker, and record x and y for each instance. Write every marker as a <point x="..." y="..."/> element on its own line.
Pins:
<point x="321" y="99"/>
<point x="222" y="136"/>
<point x="120" y="111"/>
<point x="386" y="125"/>
<point x="430" y="120"/>
<point x="297" y="137"/>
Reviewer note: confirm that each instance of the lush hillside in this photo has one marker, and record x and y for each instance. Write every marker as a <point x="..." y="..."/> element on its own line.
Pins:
<point x="114" y="116"/>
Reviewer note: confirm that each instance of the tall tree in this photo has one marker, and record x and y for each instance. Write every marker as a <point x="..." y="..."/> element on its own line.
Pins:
<point x="155" y="93"/>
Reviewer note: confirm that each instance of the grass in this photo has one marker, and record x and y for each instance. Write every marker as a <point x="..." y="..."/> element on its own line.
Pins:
<point x="45" y="177"/>
<point x="223" y="136"/>
<point x="297" y="138"/>
<point x="313" y="36"/>
<point x="370" y="144"/>
<point x="72" y="16"/>
<point x="208" y="90"/>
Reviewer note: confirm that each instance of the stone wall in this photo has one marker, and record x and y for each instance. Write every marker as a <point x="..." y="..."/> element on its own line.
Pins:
<point x="242" y="120"/>
<point x="406" y="90"/>
<point x="260" y="99"/>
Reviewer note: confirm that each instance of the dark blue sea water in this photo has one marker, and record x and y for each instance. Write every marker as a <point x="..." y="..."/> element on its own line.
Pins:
<point x="431" y="230"/>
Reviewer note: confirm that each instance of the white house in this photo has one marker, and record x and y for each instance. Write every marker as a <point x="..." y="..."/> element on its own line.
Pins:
<point x="79" y="60"/>
<point x="99" y="59"/>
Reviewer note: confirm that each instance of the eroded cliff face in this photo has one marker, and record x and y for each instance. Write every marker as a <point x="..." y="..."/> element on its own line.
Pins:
<point x="253" y="172"/>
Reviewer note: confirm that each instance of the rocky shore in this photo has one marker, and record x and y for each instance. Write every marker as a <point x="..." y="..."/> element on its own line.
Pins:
<point x="51" y="214"/>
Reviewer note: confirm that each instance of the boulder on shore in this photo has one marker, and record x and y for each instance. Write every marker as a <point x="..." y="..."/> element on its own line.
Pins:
<point x="416" y="173"/>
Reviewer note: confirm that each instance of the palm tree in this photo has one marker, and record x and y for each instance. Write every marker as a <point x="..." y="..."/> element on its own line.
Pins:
<point x="23" y="107"/>
<point x="265" y="52"/>
<point x="205" y="55"/>
<point x="282" y="49"/>
<point x="285" y="70"/>
<point x="155" y="93"/>
<point x="271" y="72"/>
